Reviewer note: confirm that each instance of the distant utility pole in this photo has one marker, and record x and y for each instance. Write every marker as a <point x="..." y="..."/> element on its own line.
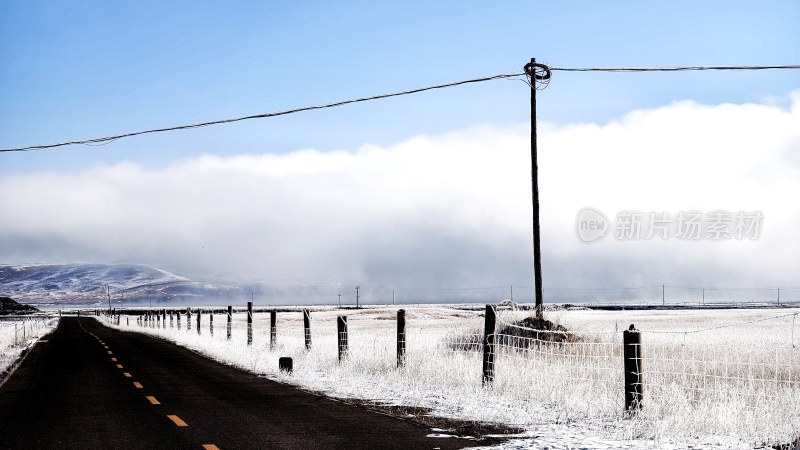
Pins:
<point x="108" y="293"/>
<point x="393" y="296"/>
<point x="340" y="300"/>
<point x="663" y="302"/>
<point x="512" y="293"/>
<point x="357" y="288"/>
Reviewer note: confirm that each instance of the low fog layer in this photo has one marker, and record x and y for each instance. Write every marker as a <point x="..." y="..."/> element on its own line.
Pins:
<point x="437" y="212"/>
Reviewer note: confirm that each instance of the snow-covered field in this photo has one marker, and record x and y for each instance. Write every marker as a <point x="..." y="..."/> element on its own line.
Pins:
<point x="17" y="334"/>
<point x="714" y="378"/>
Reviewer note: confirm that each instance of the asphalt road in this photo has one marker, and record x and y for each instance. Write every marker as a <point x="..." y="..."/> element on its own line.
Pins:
<point x="90" y="387"/>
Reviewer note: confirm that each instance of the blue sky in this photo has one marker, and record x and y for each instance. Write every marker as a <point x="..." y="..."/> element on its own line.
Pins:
<point x="429" y="190"/>
<point x="78" y="70"/>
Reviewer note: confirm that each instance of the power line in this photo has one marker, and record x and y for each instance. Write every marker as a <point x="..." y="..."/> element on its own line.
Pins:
<point x="667" y="69"/>
<point x="540" y="78"/>
<point x="101" y="140"/>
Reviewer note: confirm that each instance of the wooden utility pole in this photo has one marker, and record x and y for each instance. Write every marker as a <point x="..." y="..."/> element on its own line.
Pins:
<point x="357" y="288"/>
<point x="531" y="71"/>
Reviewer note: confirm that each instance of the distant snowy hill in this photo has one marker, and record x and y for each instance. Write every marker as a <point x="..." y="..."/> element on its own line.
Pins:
<point x="86" y="284"/>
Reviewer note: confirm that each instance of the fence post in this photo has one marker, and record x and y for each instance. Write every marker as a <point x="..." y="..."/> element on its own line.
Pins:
<point x="307" y="327"/>
<point x="164" y="317"/>
<point x="273" y="328"/>
<point x="188" y="318"/>
<point x="230" y="319"/>
<point x="488" y="345"/>
<point x="211" y="322"/>
<point x="632" y="353"/>
<point x="341" y="328"/>
<point x="198" y="321"/>
<point x="249" y="323"/>
<point x="401" y="337"/>
<point x="171" y="319"/>
<point x="178" y="319"/>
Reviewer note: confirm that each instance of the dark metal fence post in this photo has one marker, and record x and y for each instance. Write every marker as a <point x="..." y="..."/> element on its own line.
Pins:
<point x="249" y="323"/>
<point x="488" y="345"/>
<point x="341" y="328"/>
<point x="401" y="337"/>
<point x="634" y="383"/>
<point x="307" y="327"/>
<point x="273" y="328"/>
<point x="230" y="321"/>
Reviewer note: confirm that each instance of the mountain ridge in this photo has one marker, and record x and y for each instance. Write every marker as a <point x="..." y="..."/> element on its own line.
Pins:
<point x="87" y="283"/>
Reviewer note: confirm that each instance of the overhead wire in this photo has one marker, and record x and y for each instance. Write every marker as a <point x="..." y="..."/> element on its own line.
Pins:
<point x="541" y="79"/>
<point x="95" y="141"/>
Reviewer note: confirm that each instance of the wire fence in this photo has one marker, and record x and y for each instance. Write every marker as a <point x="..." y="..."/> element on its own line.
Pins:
<point x="739" y="379"/>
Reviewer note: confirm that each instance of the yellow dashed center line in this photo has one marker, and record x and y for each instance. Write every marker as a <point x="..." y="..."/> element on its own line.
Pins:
<point x="105" y="347"/>
<point x="177" y="420"/>
<point x="109" y="352"/>
<point x="119" y="366"/>
<point x="127" y="375"/>
<point x="138" y="385"/>
<point x="210" y="447"/>
<point x="153" y="400"/>
<point x="114" y="359"/>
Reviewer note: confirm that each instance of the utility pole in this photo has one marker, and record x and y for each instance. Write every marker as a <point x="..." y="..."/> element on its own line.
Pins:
<point x="536" y="72"/>
<point x="108" y="292"/>
<point x="663" y="302"/>
<point x="340" y="300"/>
<point x="357" y="288"/>
<point x="392" y="296"/>
<point x="704" y="296"/>
<point x="512" y="293"/>
<point x="779" y="296"/>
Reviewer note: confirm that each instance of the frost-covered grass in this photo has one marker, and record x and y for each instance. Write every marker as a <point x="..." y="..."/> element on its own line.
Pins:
<point x="17" y="334"/>
<point x="737" y="386"/>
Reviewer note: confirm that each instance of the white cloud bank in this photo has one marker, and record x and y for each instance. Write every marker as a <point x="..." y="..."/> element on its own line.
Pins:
<point x="449" y="210"/>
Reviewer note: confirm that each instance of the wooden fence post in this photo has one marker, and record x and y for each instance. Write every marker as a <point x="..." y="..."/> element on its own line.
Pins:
<point x="632" y="353"/>
<point x="488" y="345"/>
<point x="211" y="322"/>
<point x="178" y="319"/>
<point x="198" y="321"/>
<point x="341" y="328"/>
<point x="273" y="329"/>
<point x="307" y="327"/>
<point x="171" y="320"/>
<point x="164" y="317"/>
<point x="401" y="337"/>
<point x="230" y="321"/>
<point x="249" y="323"/>
<point x="188" y="318"/>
